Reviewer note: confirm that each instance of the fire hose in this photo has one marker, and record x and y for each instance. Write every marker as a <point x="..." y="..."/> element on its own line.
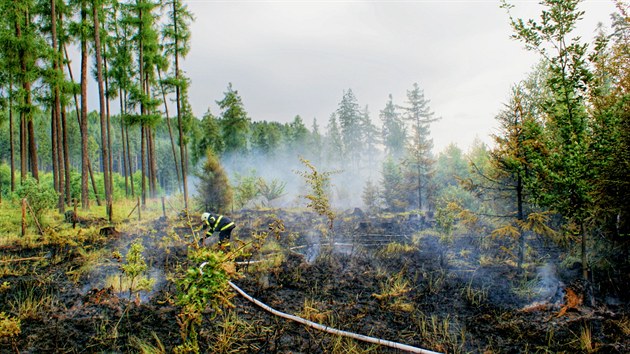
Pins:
<point x="327" y="329"/>
<point x="324" y="328"/>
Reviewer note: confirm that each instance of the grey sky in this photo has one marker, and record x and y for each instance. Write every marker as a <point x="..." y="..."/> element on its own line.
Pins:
<point x="297" y="57"/>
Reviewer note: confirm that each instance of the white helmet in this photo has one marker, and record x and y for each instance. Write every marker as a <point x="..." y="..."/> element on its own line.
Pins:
<point x="205" y="216"/>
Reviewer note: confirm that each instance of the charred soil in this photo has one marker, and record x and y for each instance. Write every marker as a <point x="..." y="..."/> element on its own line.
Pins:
<point x="397" y="281"/>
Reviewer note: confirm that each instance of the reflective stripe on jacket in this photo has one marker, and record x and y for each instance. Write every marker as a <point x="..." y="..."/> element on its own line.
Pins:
<point x="222" y="223"/>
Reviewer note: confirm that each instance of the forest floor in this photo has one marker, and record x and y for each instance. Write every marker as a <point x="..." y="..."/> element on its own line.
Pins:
<point x="383" y="278"/>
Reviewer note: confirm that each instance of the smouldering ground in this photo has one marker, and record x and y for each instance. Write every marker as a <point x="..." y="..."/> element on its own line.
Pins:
<point x="455" y="297"/>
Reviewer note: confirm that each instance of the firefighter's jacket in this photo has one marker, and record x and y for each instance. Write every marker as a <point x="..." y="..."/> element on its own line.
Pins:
<point x="218" y="223"/>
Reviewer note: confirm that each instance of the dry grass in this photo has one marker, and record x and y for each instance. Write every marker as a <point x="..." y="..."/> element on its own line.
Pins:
<point x="393" y="293"/>
<point x="9" y="326"/>
<point x="231" y="330"/>
<point x="395" y="249"/>
<point x="30" y="304"/>
<point x="314" y="311"/>
<point x="444" y="335"/>
<point x="144" y="347"/>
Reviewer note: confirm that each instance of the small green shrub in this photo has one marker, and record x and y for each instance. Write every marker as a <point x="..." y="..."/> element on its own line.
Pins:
<point x="205" y="283"/>
<point x="40" y="197"/>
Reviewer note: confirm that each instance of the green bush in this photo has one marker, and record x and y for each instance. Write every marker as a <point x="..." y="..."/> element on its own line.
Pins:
<point x="40" y="196"/>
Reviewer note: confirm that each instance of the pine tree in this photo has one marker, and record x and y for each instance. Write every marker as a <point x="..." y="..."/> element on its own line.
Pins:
<point x="419" y="160"/>
<point x="235" y="123"/>
<point x="568" y="169"/>
<point x="334" y="144"/>
<point x="393" y="133"/>
<point x="349" y="117"/>
<point x="176" y="33"/>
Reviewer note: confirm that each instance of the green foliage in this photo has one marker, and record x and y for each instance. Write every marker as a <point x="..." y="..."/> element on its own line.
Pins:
<point x="394" y="133"/>
<point x="271" y="190"/>
<point x="203" y="284"/>
<point x="393" y="186"/>
<point x="234" y="122"/>
<point x="246" y="189"/>
<point x="40" y="197"/>
<point x="215" y="192"/>
<point x="134" y="266"/>
<point x="419" y="161"/>
<point x="371" y="196"/>
<point x="207" y="136"/>
<point x="319" y="182"/>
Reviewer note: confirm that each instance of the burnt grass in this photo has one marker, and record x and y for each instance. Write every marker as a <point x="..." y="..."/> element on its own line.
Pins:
<point x="459" y="296"/>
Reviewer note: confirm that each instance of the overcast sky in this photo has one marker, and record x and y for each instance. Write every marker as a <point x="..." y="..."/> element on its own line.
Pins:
<point x="297" y="57"/>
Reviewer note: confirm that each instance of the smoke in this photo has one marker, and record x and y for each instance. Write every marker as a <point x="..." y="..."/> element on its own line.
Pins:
<point x="548" y="287"/>
<point x="346" y="187"/>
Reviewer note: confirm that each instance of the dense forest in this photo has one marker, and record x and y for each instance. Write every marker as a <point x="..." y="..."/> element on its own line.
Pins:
<point x="557" y="171"/>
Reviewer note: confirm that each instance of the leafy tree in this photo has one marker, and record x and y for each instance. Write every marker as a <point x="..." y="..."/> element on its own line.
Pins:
<point x="39" y="196"/>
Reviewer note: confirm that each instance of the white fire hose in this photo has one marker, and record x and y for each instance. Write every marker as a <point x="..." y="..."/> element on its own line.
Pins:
<point x="327" y="329"/>
<point x="320" y="327"/>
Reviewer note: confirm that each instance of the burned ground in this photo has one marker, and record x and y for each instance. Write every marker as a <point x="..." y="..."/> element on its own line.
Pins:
<point x="442" y="295"/>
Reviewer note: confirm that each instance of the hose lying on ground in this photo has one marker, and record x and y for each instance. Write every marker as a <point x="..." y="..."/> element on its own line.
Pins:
<point x="320" y="327"/>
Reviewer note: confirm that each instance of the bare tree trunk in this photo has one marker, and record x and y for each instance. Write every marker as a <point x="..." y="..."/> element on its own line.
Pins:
<point x="66" y="155"/>
<point x="123" y="111"/>
<point x="57" y="145"/>
<point x="170" y="131"/>
<point x="102" y="108"/>
<point x="143" y="181"/>
<point x="85" y="197"/>
<point x="129" y="165"/>
<point x="11" y="143"/>
<point x="182" y="146"/>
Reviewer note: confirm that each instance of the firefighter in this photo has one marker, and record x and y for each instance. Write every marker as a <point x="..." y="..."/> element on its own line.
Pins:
<point x="219" y="223"/>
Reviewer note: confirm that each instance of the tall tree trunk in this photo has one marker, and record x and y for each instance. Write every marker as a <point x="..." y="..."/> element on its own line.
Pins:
<point x="28" y="131"/>
<point x="23" y="147"/>
<point x="103" y="118"/>
<point x="143" y="112"/>
<point x="32" y="146"/>
<point x="79" y="112"/>
<point x="11" y="143"/>
<point x="143" y="182"/>
<point x="66" y="155"/>
<point x="182" y="146"/>
<point x="170" y="131"/>
<point x="109" y="134"/>
<point x="520" y="216"/>
<point x="125" y="168"/>
<point x="58" y="156"/>
<point x="129" y="165"/>
<point x="85" y="201"/>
